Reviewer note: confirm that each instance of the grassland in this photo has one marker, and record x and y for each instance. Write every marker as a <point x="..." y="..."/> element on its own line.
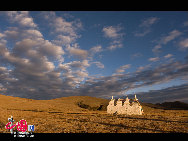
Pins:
<point x="84" y="114"/>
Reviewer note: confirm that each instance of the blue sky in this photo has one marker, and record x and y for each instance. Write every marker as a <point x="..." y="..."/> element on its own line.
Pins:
<point x="86" y="52"/>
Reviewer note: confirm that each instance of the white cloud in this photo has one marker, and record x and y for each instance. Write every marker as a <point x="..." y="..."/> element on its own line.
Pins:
<point x="184" y="44"/>
<point x="49" y="49"/>
<point x="166" y="39"/>
<point x="74" y="72"/>
<point x="12" y="33"/>
<point x="115" y="44"/>
<point x="24" y="45"/>
<point x="81" y="74"/>
<point x="141" y="68"/>
<point x="146" y="26"/>
<point x="99" y="65"/>
<point x="120" y="70"/>
<point x="112" y="31"/>
<point x="3" y="49"/>
<point x="78" y="64"/>
<point x="149" y="21"/>
<point x="35" y="74"/>
<point x="168" y="56"/>
<point x="154" y="59"/>
<point x="64" y="67"/>
<point x="123" y="68"/>
<point x="115" y="34"/>
<point x="15" y="33"/>
<point x="27" y="22"/>
<point x="65" y="33"/>
<point x="22" y="18"/>
<point x="29" y="65"/>
<point x="3" y="69"/>
<point x="136" y="55"/>
<point x="96" y="49"/>
<point x="156" y="49"/>
<point x="85" y="63"/>
<point x="1" y="35"/>
<point x="141" y="34"/>
<point x="64" y="40"/>
<point x="32" y="33"/>
<point x="33" y="58"/>
<point x="78" y="53"/>
<point x="35" y="48"/>
<point x="38" y="46"/>
<point x="171" y="36"/>
<point x="63" y="27"/>
<point x="49" y="65"/>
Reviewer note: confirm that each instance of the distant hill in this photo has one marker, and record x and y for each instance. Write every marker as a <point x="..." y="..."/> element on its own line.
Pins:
<point x="176" y="105"/>
<point x="72" y="103"/>
<point x="171" y="94"/>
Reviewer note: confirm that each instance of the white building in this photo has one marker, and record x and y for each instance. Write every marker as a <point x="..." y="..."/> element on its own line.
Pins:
<point x="124" y="106"/>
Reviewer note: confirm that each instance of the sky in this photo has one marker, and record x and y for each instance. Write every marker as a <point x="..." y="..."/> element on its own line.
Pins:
<point x="51" y="54"/>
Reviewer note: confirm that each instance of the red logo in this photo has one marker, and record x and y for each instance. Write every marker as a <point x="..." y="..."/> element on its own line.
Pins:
<point x="21" y="126"/>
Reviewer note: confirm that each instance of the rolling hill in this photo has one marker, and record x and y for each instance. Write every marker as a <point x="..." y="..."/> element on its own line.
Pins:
<point x="85" y="114"/>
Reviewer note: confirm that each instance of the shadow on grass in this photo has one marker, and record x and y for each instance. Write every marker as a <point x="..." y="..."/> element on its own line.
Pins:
<point x="35" y="110"/>
<point x="28" y="110"/>
<point x="75" y="113"/>
<point x="125" y="126"/>
<point x="143" y="118"/>
<point x="54" y="112"/>
<point x="137" y="128"/>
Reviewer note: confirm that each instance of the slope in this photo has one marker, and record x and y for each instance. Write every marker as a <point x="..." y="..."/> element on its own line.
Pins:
<point x="84" y="114"/>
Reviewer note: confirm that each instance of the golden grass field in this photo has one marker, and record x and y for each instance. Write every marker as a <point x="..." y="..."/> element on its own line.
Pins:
<point x="63" y="115"/>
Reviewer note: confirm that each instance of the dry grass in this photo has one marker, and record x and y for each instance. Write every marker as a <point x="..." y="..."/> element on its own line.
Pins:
<point x="64" y="115"/>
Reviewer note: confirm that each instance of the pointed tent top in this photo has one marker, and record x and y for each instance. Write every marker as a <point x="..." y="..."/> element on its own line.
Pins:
<point x="127" y="98"/>
<point x="135" y="97"/>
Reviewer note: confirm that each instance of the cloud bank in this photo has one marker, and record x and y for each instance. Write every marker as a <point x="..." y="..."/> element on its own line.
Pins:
<point x="145" y="26"/>
<point x="32" y="66"/>
<point x="171" y="94"/>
